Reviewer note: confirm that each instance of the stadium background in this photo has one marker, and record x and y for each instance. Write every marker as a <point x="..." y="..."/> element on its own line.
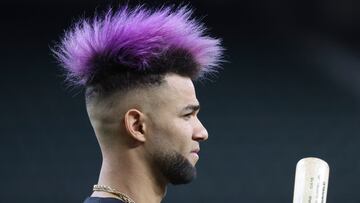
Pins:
<point x="290" y="89"/>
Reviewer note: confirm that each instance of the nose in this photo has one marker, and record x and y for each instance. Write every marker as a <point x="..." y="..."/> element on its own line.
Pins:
<point x="200" y="132"/>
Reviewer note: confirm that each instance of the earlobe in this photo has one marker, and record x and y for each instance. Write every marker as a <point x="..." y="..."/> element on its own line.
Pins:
<point x="135" y="125"/>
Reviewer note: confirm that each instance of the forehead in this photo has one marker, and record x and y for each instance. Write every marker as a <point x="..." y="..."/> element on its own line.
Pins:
<point x="180" y="85"/>
<point x="177" y="92"/>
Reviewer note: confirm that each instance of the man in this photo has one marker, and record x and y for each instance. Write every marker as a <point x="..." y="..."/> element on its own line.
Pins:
<point x="137" y="68"/>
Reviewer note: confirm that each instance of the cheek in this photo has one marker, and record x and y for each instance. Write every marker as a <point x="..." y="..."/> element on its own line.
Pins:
<point x="182" y="134"/>
<point x="172" y="136"/>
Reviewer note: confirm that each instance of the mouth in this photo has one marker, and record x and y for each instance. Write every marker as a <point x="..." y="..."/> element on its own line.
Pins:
<point x="196" y="151"/>
<point x="195" y="155"/>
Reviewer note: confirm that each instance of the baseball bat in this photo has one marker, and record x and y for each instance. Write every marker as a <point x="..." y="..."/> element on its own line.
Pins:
<point x="311" y="181"/>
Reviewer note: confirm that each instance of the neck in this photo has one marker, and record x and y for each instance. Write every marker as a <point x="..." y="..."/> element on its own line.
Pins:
<point x="130" y="176"/>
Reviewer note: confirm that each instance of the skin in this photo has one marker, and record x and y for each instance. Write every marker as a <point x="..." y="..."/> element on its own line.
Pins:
<point x="136" y="127"/>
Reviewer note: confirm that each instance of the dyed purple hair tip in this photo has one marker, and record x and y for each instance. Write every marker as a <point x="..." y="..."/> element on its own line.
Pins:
<point x="136" y="37"/>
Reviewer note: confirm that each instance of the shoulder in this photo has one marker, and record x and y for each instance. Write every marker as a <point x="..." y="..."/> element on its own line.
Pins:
<point x="102" y="200"/>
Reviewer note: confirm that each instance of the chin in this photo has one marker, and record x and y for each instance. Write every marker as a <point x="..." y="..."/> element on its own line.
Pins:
<point x="176" y="168"/>
<point x="192" y="161"/>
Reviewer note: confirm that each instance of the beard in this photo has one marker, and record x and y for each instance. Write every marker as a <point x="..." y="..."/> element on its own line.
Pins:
<point x="175" y="168"/>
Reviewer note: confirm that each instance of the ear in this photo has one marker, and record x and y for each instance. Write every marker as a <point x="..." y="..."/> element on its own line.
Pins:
<point x="135" y="125"/>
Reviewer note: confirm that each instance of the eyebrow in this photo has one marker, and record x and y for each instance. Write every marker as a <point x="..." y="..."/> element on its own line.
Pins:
<point x="192" y="107"/>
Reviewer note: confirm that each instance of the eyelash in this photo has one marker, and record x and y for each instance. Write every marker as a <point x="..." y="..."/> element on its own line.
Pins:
<point x="187" y="116"/>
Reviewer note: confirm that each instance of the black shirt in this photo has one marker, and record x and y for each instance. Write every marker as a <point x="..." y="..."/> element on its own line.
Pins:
<point x="102" y="200"/>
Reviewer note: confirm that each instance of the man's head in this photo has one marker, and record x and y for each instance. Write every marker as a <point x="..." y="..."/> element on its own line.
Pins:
<point x="137" y="67"/>
<point x="160" y="121"/>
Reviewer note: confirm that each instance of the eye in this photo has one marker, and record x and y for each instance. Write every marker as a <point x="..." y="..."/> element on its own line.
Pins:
<point x="187" y="116"/>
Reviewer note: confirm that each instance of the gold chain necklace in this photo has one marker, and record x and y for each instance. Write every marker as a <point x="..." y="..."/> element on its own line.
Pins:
<point x="121" y="196"/>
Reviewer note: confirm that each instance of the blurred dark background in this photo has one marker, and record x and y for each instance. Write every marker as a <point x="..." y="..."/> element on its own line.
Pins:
<point x="290" y="89"/>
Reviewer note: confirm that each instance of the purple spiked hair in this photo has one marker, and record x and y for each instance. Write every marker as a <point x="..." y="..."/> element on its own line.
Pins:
<point x="138" y="41"/>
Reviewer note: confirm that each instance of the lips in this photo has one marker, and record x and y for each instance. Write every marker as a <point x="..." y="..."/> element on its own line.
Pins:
<point x="194" y="154"/>
<point x="197" y="150"/>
